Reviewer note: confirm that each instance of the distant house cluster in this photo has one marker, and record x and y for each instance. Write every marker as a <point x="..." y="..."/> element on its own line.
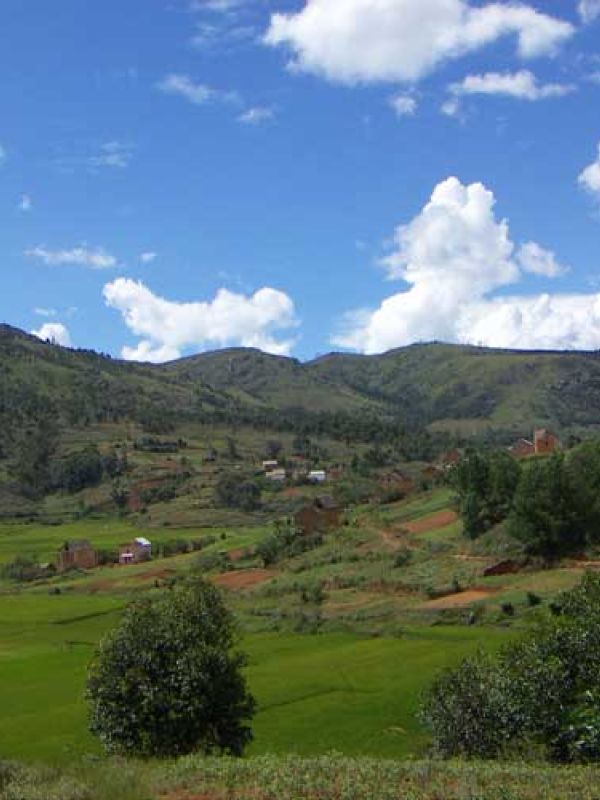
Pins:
<point x="544" y="443"/>
<point x="299" y="471"/>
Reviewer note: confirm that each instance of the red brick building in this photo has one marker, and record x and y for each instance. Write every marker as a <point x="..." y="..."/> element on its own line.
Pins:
<point x="545" y="442"/>
<point x="76" y="554"/>
<point x="319" y="517"/>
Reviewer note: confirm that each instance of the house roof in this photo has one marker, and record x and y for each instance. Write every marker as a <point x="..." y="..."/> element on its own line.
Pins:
<point x="142" y="541"/>
<point x="77" y="544"/>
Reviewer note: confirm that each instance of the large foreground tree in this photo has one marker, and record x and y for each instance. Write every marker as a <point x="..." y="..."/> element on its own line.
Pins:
<point x="167" y="680"/>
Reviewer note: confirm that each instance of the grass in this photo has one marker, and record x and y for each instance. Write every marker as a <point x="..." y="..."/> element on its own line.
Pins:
<point x="315" y="693"/>
<point x="329" y="777"/>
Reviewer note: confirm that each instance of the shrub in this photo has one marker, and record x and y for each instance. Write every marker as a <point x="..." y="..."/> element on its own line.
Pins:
<point x="542" y="691"/>
<point x="167" y="681"/>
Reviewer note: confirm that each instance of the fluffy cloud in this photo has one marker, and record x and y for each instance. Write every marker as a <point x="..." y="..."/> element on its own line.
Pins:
<point x="196" y="93"/>
<point x="186" y="87"/>
<point x="404" y="105"/>
<point x="256" y="115"/>
<point x="148" y="257"/>
<point x="83" y="256"/>
<point x="538" y="261"/>
<point x="454" y="256"/>
<point x="54" y="332"/>
<point x="589" y="10"/>
<point x="590" y="177"/>
<point x="168" y="327"/>
<point x="351" y="41"/>
<point x="522" y="85"/>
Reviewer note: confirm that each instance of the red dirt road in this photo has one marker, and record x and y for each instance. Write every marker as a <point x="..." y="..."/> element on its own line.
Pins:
<point x="432" y="523"/>
<point x="243" y="579"/>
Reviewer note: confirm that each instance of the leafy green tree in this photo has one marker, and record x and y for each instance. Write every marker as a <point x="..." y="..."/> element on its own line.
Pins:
<point x="35" y="449"/>
<point x="232" y="490"/>
<point x="547" y="516"/>
<point x="167" y="680"/>
<point x="485" y="481"/>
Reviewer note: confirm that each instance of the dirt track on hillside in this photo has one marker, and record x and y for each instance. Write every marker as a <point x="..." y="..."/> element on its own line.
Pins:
<point x="243" y="579"/>
<point x="456" y="600"/>
<point x="431" y="523"/>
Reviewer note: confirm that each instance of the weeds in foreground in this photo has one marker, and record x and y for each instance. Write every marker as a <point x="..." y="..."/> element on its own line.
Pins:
<point x="293" y="778"/>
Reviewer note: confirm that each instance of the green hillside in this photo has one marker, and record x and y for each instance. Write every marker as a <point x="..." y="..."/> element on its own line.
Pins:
<point x="444" y="387"/>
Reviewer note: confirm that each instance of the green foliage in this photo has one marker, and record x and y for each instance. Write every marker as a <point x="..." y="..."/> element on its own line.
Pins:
<point x="286" y="542"/>
<point x="485" y="482"/>
<point x="22" y="569"/>
<point x="166" y="681"/>
<point x="548" y="516"/>
<point x="541" y="692"/>
<point x="234" y="491"/>
<point x="79" y="470"/>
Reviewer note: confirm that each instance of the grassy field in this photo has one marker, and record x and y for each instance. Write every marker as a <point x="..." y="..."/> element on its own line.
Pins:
<point x="382" y="627"/>
<point x="315" y="693"/>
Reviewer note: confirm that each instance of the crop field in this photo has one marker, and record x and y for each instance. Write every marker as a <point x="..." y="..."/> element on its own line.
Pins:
<point x="342" y="639"/>
<point x="315" y="693"/>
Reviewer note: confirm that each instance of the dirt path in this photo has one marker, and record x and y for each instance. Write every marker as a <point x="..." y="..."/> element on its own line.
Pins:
<point x="244" y="579"/>
<point x="456" y="600"/>
<point x="431" y="523"/>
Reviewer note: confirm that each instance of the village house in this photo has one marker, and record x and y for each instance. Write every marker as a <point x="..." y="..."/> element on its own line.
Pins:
<point x="276" y="475"/>
<point x="269" y="466"/>
<point x="76" y="554"/>
<point x="522" y="448"/>
<point x="318" y="517"/>
<point x="544" y="442"/>
<point x="317" y="476"/>
<point x="397" y="482"/>
<point x="136" y="552"/>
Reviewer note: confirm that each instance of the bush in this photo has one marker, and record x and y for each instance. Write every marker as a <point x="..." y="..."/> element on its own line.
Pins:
<point x="233" y="491"/>
<point x="541" y="692"/>
<point x="167" y="682"/>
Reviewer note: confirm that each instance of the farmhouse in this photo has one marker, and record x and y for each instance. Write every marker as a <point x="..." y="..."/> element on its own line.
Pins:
<point x="138" y="551"/>
<point x="522" y="448"/>
<point x="318" y="517"/>
<point x="317" y="476"/>
<point x="269" y="466"/>
<point x="76" y="554"/>
<point x="276" y="475"/>
<point x="397" y="482"/>
<point x="545" y="442"/>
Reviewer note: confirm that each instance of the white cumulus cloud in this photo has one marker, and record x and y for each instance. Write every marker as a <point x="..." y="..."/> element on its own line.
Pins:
<point x="148" y="257"/>
<point x="25" y="203"/>
<point x="590" y="177"/>
<point x="168" y="327"/>
<point x="54" y="332"/>
<point x="403" y="105"/>
<point x="522" y="85"/>
<point x="353" y="41"/>
<point x="186" y="87"/>
<point x="589" y="10"/>
<point x="92" y="258"/>
<point x="455" y="255"/>
<point x="536" y="260"/>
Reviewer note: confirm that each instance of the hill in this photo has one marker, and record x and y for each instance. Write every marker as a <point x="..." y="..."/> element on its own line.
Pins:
<point x="437" y="386"/>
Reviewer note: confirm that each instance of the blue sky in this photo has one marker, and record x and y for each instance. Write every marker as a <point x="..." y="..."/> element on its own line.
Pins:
<point x="300" y="175"/>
